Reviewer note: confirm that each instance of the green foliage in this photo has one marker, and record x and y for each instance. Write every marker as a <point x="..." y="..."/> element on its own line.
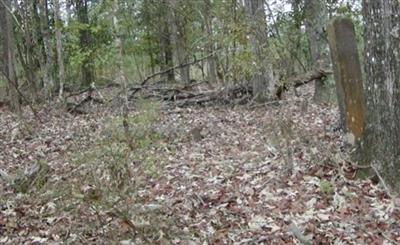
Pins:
<point x="325" y="187"/>
<point x="100" y="51"/>
<point x="141" y="27"/>
<point x="142" y="125"/>
<point x="109" y="175"/>
<point x="113" y="158"/>
<point x="32" y="179"/>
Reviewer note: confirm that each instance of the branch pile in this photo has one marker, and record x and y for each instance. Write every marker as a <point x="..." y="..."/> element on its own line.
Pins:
<point x="202" y="92"/>
<point x="196" y="94"/>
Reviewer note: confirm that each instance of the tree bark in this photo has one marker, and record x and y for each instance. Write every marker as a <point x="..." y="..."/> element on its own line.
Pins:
<point x="9" y="55"/>
<point x="178" y="40"/>
<point x="212" y="68"/>
<point x="48" y="80"/>
<point x="316" y="19"/>
<point x="59" y="48"/>
<point x="164" y="33"/>
<point x="381" y="141"/>
<point x="26" y="48"/>
<point x="262" y="80"/>
<point x="119" y="46"/>
<point x="87" y="67"/>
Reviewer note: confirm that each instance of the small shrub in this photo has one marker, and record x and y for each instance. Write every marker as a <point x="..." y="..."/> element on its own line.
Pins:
<point x="111" y="175"/>
<point x="325" y="187"/>
<point x="33" y="178"/>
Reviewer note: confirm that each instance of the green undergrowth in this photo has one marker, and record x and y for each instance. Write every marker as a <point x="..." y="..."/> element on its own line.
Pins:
<point x="109" y="177"/>
<point x="33" y="179"/>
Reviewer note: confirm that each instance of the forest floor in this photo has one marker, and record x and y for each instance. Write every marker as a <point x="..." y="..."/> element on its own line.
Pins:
<point x="199" y="175"/>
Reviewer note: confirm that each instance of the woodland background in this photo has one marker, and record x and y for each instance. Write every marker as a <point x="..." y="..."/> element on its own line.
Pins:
<point x="188" y="122"/>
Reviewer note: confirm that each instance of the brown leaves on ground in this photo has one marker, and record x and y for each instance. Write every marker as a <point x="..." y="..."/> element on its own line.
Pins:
<point x="229" y="185"/>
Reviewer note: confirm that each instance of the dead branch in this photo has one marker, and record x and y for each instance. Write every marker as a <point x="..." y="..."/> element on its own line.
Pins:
<point x="137" y="89"/>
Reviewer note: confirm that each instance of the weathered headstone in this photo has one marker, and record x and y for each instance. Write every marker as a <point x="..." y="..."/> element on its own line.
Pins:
<point x="347" y="74"/>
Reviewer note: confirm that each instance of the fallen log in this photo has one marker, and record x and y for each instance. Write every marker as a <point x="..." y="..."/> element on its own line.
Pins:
<point x="301" y="79"/>
<point x="227" y="95"/>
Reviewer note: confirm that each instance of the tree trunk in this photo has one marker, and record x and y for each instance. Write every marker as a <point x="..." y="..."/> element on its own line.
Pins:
<point x="26" y="49"/>
<point x="296" y="65"/>
<point x="119" y="46"/>
<point x="35" y="32"/>
<point x="48" y="65"/>
<point x="212" y="68"/>
<point x="262" y="80"/>
<point x="178" y="40"/>
<point x="59" y="48"/>
<point x="381" y="141"/>
<point x="316" y="19"/>
<point x="9" y="55"/>
<point x="87" y="67"/>
<point x="166" y="52"/>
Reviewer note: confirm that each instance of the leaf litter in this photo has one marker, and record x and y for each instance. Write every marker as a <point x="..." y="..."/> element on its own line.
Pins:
<point x="230" y="185"/>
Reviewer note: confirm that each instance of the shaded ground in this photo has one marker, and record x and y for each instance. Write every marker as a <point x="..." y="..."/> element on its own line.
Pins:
<point x="215" y="175"/>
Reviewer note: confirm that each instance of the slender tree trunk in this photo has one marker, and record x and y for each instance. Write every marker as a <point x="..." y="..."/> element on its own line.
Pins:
<point x="87" y="67"/>
<point x="234" y="6"/>
<point x="26" y="49"/>
<point x="59" y="48"/>
<point x="37" y="41"/>
<point x="9" y="55"/>
<point x="212" y="68"/>
<point x="316" y="19"/>
<point x="263" y="84"/>
<point x="380" y="146"/>
<point x="119" y="46"/>
<point x="69" y="9"/>
<point x="178" y="40"/>
<point x="48" y="64"/>
<point x="297" y="67"/>
<point x="166" y="54"/>
<point x="151" y="54"/>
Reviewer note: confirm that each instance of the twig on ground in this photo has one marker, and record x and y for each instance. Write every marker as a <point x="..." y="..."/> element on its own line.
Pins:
<point x="381" y="179"/>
